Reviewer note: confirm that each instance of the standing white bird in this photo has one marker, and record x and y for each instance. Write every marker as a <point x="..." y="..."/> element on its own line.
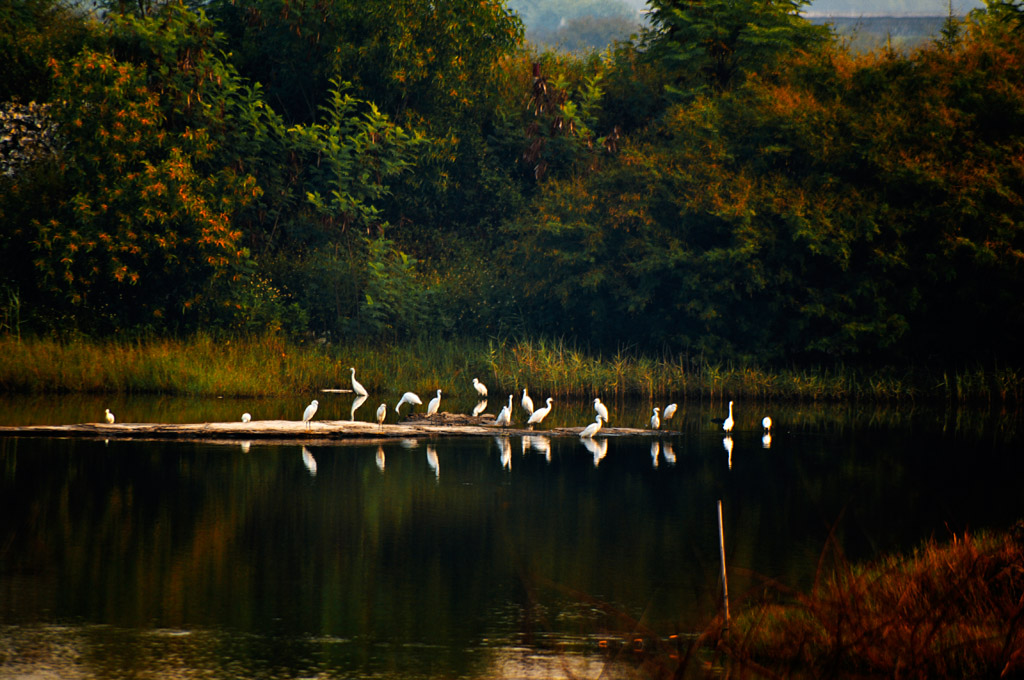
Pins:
<point x="434" y="404"/>
<point x="540" y="414"/>
<point x="669" y="411"/>
<point x="407" y="398"/>
<point x="382" y="413"/>
<point x="357" y="387"/>
<point x="504" y="418"/>
<point x="655" y="421"/>
<point x="246" y="417"/>
<point x="593" y="428"/>
<point x="110" y="416"/>
<point x="527" y="402"/>
<point x="601" y="409"/>
<point x="307" y="415"/>
<point x="766" y="423"/>
<point x="728" y="422"/>
<point x="481" y="389"/>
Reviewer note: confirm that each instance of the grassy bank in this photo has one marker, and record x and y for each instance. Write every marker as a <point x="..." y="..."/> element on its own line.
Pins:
<point x="950" y="610"/>
<point x="270" y="366"/>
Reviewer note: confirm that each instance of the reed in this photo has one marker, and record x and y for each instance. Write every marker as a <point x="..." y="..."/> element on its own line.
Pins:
<point x="950" y="610"/>
<point x="271" y="366"/>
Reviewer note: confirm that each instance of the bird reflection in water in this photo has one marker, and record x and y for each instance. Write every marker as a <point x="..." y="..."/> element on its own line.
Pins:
<point x="380" y="458"/>
<point x="542" y="445"/>
<point x="505" y="446"/>
<point x="356" y="404"/>
<point x="479" y="408"/>
<point x="667" y="453"/>
<point x="432" y="461"/>
<point x="597" y="447"/>
<point x="245" y="446"/>
<point x="727" y="445"/>
<point x="409" y="443"/>
<point x="766" y="440"/>
<point x="309" y="461"/>
<point x="655" y="452"/>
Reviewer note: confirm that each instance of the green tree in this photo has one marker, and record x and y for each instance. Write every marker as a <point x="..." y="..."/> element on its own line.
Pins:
<point x="718" y="43"/>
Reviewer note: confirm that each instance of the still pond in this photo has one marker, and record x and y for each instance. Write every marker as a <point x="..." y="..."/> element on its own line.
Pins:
<point x="492" y="557"/>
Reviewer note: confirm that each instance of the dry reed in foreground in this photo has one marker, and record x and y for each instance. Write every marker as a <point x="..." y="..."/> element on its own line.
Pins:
<point x="947" y="611"/>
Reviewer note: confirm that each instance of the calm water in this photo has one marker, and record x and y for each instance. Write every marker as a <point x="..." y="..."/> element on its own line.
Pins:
<point x="451" y="558"/>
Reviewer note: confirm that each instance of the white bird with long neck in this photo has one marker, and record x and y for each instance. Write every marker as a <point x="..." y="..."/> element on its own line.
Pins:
<point x="728" y="422"/>
<point x="527" y="402"/>
<point x="540" y="414"/>
<point x="669" y="411"/>
<point x="307" y="415"/>
<point x="601" y="409"/>
<point x="592" y="429"/>
<point x="434" y="404"/>
<point x="357" y="387"/>
<point x="480" y="388"/>
<point x="408" y="398"/>
<point x="655" y="421"/>
<point x="382" y="413"/>
<point x="504" y="418"/>
<point x="109" y="416"/>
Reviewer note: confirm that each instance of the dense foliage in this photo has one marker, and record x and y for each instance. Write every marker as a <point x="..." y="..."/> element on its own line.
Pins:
<point x="731" y="183"/>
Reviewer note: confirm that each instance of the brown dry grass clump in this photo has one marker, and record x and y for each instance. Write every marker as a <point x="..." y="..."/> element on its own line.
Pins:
<point x="951" y="610"/>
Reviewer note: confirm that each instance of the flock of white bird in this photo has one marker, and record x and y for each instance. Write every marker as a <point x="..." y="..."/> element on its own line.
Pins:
<point x="504" y="419"/>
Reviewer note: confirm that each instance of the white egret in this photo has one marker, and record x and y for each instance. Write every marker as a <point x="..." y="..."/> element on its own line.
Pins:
<point x="356" y="403"/>
<point x="766" y="423"/>
<point x="307" y="415"/>
<point x="407" y="398"/>
<point x="540" y="414"/>
<point x="655" y="421"/>
<point x="380" y="458"/>
<point x="432" y="461"/>
<point x="481" y="389"/>
<point x="246" y="417"/>
<point x="309" y="461"/>
<point x="669" y="411"/>
<point x="527" y="402"/>
<point x="110" y="416"/>
<point x="728" y="422"/>
<point x="593" y="428"/>
<point x="357" y="387"/>
<point x="601" y="409"/>
<point x="434" y="404"/>
<point x="504" y="418"/>
<point x="382" y="413"/>
<point x="479" y="408"/>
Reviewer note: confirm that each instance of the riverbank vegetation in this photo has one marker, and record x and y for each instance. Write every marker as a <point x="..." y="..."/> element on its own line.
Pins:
<point x="730" y="189"/>
<point x="948" y="610"/>
<point x="272" y="366"/>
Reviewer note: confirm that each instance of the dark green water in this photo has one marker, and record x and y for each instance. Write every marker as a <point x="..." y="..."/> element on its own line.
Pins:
<point x="453" y="558"/>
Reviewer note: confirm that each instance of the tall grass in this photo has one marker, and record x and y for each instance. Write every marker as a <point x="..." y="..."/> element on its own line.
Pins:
<point x="953" y="610"/>
<point x="270" y="366"/>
